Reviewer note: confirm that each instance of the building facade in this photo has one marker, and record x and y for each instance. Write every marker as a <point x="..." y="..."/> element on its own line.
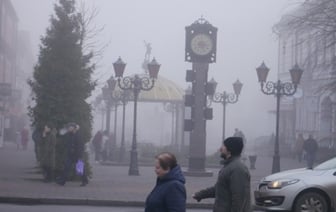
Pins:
<point x="16" y="65"/>
<point x="312" y="110"/>
<point x="8" y="38"/>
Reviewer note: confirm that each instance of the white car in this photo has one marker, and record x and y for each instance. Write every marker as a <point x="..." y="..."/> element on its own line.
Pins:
<point x="299" y="189"/>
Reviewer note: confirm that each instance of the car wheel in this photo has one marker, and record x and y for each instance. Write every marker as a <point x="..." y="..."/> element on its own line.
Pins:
<point x="311" y="201"/>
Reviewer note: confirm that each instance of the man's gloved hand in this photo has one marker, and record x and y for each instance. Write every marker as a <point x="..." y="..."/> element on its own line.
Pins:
<point x="197" y="197"/>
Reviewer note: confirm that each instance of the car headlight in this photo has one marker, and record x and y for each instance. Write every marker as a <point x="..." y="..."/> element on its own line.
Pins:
<point x="278" y="184"/>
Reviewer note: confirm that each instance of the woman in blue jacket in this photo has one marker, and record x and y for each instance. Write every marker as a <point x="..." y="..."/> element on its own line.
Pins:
<point x="169" y="193"/>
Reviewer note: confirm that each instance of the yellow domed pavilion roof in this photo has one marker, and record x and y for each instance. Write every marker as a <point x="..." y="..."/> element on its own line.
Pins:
<point x="164" y="90"/>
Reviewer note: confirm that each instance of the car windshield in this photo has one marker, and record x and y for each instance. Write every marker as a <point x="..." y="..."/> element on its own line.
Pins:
<point x="329" y="164"/>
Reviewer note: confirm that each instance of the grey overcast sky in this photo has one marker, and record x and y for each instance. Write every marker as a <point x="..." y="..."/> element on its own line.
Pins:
<point x="244" y="40"/>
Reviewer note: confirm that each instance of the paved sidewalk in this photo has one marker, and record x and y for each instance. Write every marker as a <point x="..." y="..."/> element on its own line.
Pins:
<point x="20" y="182"/>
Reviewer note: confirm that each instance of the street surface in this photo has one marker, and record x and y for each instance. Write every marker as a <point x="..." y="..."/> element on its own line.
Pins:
<point x="21" y="183"/>
<point x="57" y="208"/>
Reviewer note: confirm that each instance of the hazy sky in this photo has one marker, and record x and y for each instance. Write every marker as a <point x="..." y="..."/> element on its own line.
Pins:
<point x="244" y="40"/>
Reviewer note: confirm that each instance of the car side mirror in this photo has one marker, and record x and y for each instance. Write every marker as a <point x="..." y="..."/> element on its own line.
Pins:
<point x="334" y="174"/>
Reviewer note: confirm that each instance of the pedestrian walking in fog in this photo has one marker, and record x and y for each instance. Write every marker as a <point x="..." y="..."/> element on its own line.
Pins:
<point x="24" y="138"/>
<point x="37" y="139"/>
<point x="18" y="140"/>
<point x="310" y="147"/>
<point x="74" y="152"/>
<point x="232" y="189"/>
<point x="80" y="154"/>
<point x="48" y="145"/>
<point x="239" y="133"/>
<point x="169" y="193"/>
<point x="97" y="143"/>
<point x="298" y="149"/>
<point x="105" y="146"/>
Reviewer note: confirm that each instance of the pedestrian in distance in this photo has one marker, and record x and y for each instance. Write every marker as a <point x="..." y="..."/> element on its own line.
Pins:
<point x="169" y="193"/>
<point x="232" y="189"/>
<point x="298" y="149"/>
<point x="37" y="139"/>
<point x="80" y="154"/>
<point x="105" y="146"/>
<point x="48" y="145"/>
<point x="97" y="143"/>
<point x="310" y="146"/>
<point x="24" y="138"/>
<point x="239" y="133"/>
<point x="18" y="140"/>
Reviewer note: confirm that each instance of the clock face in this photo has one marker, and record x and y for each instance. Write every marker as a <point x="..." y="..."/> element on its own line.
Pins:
<point x="201" y="44"/>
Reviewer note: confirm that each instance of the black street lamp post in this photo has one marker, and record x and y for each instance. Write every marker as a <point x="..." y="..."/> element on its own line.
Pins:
<point x="135" y="84"/>
<point x="124" y="100"/>
<point x="225" y="98"/>
<point x="278" y="89"/>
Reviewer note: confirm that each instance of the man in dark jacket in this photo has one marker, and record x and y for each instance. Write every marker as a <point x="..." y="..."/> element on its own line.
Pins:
<point x="232" y="189"/>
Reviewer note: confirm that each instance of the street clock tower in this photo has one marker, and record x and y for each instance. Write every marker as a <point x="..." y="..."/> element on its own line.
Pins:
<point x="201" y="39"/>
<point x="200" y="50"/>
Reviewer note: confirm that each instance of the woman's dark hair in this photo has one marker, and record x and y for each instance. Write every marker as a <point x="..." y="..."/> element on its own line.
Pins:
<point x="166" y="160"/>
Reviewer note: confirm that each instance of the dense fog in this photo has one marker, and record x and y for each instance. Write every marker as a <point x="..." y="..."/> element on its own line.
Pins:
<point x="245" y="39"/>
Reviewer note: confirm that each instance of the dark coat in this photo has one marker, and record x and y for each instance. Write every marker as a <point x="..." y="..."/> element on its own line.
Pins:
<point x="310" y="146"/>
<point x="232" y="189"/>
<point x="48" y="145"/>
<point x="169" y="193"/>
<point x="74" y="146"/>
<point x="97" y="141"/>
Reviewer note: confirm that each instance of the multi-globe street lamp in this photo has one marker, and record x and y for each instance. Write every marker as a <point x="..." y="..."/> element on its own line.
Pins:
<point x="114" y="98"/>
<point x="119" y="96"/>
<point x="124" y="99"/>
<point x="135" y="84"/>
<point x="225" y="98"/>
<point x="122" y="96"/>
<point x="278" y="89"/>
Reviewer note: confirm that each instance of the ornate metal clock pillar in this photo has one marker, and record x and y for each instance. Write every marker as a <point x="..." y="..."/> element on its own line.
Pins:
<point x="200" y="50"/>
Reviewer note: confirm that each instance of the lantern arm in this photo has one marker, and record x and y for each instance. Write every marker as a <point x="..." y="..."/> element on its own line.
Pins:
<point x="125" y="83"/>
<point x="225" y="98"/>
<point x="269" y="88"/>
<point x="217" y="97"/>
<point x="144" y="83"/>
<point x="230" y="98"/>
<point x="278" y="88"/>
<point x="288" y="88"/>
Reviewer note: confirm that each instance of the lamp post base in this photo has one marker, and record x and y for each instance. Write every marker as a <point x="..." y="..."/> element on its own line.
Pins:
<point x="196" y="168"/>
<point x="276" y="164"/>
<point x="133" y="168"/>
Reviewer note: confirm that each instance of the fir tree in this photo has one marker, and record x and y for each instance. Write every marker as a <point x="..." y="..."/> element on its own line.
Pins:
<point x="62" y="76"/>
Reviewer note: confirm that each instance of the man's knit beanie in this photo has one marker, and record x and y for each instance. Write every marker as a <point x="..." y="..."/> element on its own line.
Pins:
<point x="234" y="145"/>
